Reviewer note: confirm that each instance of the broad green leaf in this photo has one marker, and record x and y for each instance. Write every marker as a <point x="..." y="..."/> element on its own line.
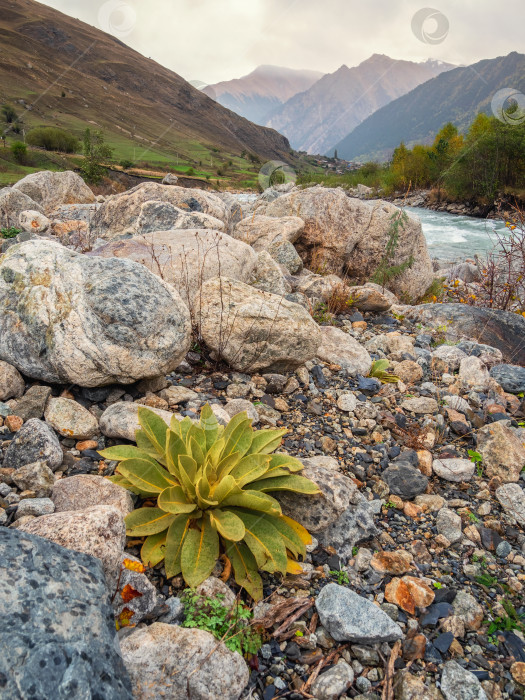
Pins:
<point x="227" y="524"/>
<point x="299" y="484"/>
<point x="147" y="476"/>
<point x="202" y="491"/>
<point x="152" y="551"/>
<point x="154" y="427"/>
<point x="265" y="542"/>
<point x="196" y="451"/>
<point x="250" y="468"/>
<point x="291" y="539"/>
<point x="255" y="500"/>
<point x="122" y="481"/>
<point x="290" y="463"/>
<point x="145" y="445"/>
<point x="196" y="433"/>
<point x="174" y="449"/>
<point x="266" y="441"/>
<point x="148" y="521"/>
<point x="173" y="500"/>
<point x="188" y="474"/>
<point x="175" y="425"/>
<point x="174" y="542"/>
<point x="121" y="452"/>
<point x="224" y="488"/>
<point x="227" y="464"/>
<point x="208" y="422"/>
<point x="185" y="425"/>
<point x="215" y="451"/>
<point x="237" y="435"/>
<point x="245" y="568"/>
<point x="200" y="552"/>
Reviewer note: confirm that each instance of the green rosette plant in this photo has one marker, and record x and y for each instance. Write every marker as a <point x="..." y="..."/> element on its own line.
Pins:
<point x="211" y="484"/>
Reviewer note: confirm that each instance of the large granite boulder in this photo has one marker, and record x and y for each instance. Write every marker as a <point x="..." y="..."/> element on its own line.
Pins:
<point x="69" y="318"/>
<point x="58" y="631"/>
<point x="186" y="258"/>
<point x="51" y="189"/>
<point x="163" y="216"/>
<point x="183" y="664"/>
<point x="120" y="213"/>
<point x="12" y="203"/>
<point x="348" y="236"/>
<point x="263" y="231"/>
<point x="254" y="330"/>
<point x="500" y="329"/>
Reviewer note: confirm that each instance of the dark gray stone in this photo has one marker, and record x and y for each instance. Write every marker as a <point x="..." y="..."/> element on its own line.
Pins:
<point x="510" y="377"/>
<point x="503" y="330"/>
<point x="32" y="403"/>
<point x="58" y="632"/>
<point x="404" y="480"/>
<point x="350" y="618"/>
<point x="34" y="442"/>
<point x="353" y="526"/>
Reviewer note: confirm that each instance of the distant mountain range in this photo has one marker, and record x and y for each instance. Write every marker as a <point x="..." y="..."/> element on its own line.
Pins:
<point x="457" y="95"/>
<point x="316" y="119"/>
<point x="257" y="95"/>
<point x="72" y="75"/>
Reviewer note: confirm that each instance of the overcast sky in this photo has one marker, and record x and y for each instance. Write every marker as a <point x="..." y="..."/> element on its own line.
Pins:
<point x="213" y="40"/>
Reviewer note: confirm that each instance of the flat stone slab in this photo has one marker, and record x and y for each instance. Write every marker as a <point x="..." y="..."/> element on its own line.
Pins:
<point x="58" y="631"/>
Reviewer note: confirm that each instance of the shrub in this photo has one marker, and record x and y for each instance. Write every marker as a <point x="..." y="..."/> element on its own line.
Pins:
<point x="53" y="139"/>
<point x="126" y="164"/>
<point x="95" y="152"/>
<point x="211" y="485"/>
<point x="19" y="151"/>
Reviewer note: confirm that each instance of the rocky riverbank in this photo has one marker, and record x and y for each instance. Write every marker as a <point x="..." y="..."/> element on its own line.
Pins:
<point x="414" y="580"/>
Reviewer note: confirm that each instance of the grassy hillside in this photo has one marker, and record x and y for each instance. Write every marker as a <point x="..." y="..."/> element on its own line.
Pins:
<point x="58" y="71"/>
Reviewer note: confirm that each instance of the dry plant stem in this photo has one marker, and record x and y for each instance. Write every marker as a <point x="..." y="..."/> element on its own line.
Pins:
<point x="388" y="690"/>
<point x="298" y="613"/>
<point x="324" y="662"/>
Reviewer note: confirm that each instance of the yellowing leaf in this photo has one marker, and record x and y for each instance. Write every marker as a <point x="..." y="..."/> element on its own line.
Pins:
<point x="250" y="468"/>
<point x="293" y="482"/>
<point x="154" y="427"/>
<point x="265" y="542"/>
<point x="245" y="568"/>
<point x="133" y="565"/>
<point x="124" y="619"/>
<point x="293" y="567"/>
<point x="266" y="441"/>
<point x="128" y="593"/>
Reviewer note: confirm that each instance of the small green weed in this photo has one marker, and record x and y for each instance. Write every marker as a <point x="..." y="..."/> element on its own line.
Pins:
<point x="341" y="576"/>
<point x="10" y="232"/>
<point x="231" y="625"/>
<point x="477" y="459"/>
<point x="508" y="622"/>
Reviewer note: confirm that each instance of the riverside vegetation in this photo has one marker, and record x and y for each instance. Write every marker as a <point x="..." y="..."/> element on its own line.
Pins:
<point x="336" y="471"/>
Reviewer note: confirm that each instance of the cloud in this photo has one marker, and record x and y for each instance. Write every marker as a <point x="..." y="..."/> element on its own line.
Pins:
<point x="212" y="41"/>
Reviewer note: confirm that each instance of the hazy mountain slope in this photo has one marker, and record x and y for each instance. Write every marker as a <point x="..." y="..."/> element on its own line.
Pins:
<point x="455" y="96"/>
<point x="45" y="53"/>
<point x="316" y="119"/>
<point x="258" y="94"/>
